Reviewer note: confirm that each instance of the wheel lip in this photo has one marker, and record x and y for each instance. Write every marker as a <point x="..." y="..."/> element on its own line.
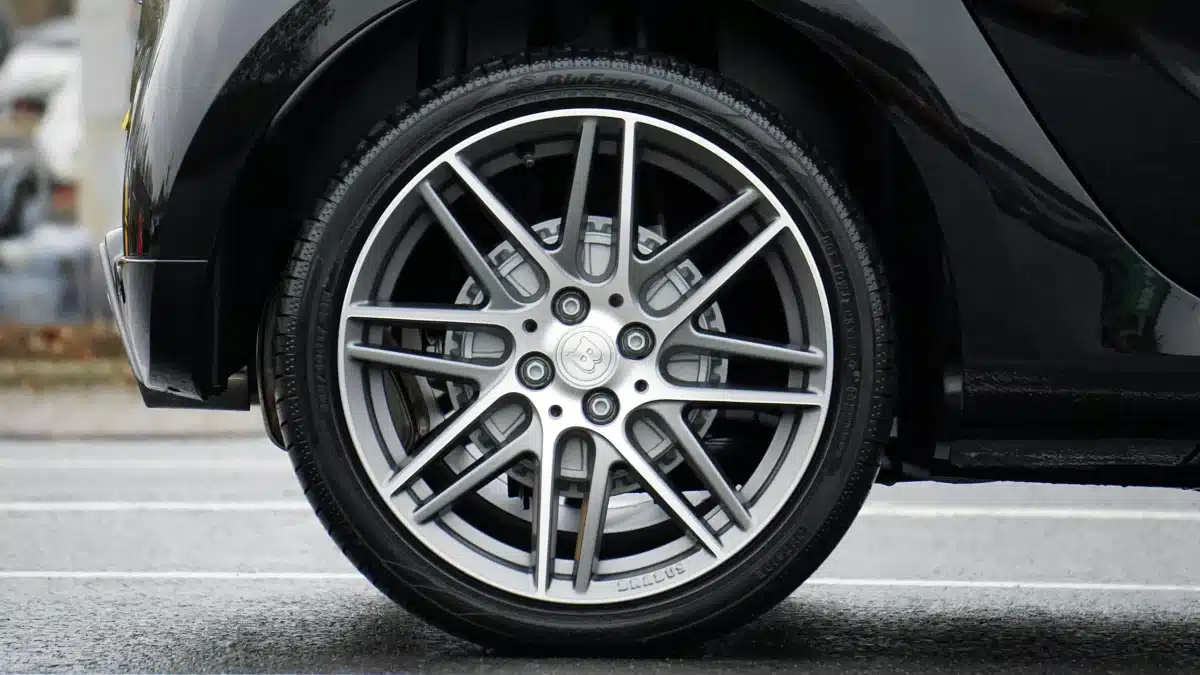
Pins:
<point x="825" y="374"/>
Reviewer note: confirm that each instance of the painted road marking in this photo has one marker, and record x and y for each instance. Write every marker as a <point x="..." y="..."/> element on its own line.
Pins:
<point x="180" y="575"/>
<point x="280" y="465"/>
<point x="118" y="507"/>
<point x="869" y="511"/>
<point x="884" y="510"/>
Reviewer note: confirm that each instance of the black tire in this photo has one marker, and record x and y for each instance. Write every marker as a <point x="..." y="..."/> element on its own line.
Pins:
<point x="762" y="574"/>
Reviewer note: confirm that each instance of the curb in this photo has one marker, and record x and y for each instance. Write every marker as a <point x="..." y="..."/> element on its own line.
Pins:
<point x="114" y="414"/>
<point x="40" y="374"/>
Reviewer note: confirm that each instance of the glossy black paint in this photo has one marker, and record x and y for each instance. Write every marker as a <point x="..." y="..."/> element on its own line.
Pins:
<point x="1117" y="84"/>
<point x="1055" y="309"/>
<point x="209" y="77"/>
<point x="1063" y="323"/>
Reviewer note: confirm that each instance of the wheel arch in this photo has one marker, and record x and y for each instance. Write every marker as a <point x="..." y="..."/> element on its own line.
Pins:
<point x="425" y="41"/>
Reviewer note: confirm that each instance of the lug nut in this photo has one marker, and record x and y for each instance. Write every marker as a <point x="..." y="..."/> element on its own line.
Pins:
<point x="636" y="342"/>
<point x="535" y="371"/>
<point x="600" y="406"/>
<point x="570" y="306"/>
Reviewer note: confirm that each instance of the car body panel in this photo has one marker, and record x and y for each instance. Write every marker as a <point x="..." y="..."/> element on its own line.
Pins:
<point x="1117" y="85"/>
<point x="1054" y="306"/>
<point x="209" y="77"/>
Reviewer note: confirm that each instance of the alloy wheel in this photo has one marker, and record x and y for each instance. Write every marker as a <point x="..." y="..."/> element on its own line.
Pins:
<point x="582" y="363"/>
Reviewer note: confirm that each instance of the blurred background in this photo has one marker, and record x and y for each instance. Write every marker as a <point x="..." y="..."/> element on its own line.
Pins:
<point x="64" y="92"/>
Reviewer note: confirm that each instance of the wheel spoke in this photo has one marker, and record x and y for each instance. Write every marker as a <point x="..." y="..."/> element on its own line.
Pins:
<point x="534" y="252"/>
<point x="480" y="473"/>
<point x="592" y="514"/>
<point x="670" y="500"/>
<point x="671" y="414"/>
<point x="626" y="231"/>
<point x="799" y="357"/>
<point x="545" y="512"/>
<point x="677" y="250"/>
<point x="424" y="364"/>
<point x="499" y="295"/>
<point x="442" y="439"/>
<point x="572" y="228"/>
<point x="735" y="397"/>
<point x="703" y="294"/>
<point x="433" y="315"/>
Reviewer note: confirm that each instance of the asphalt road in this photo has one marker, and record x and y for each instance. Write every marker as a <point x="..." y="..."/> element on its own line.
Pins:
<point x="201" y="557"/>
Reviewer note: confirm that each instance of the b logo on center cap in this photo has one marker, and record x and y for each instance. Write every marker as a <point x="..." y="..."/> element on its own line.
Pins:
<point x="585" y="354"/>
<point x="585" y="357"/>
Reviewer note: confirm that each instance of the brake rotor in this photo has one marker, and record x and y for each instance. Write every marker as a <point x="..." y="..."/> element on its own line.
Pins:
<point x="596" y="257"/>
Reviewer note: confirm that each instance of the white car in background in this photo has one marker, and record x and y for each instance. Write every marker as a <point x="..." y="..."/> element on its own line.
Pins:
<point x="38" y="65"/>
<point x="59" y="134"/>
<point x="45" y="254"/>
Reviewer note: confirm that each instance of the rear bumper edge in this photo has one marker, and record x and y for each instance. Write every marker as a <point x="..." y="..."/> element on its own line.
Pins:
<point x="161" y="371"/>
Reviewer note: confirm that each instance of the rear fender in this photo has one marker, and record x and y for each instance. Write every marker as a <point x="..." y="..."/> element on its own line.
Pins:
<point x="209" y="78"/>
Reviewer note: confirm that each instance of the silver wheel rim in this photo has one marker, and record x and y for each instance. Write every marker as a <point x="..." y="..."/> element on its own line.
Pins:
<point x="713" y="523"/>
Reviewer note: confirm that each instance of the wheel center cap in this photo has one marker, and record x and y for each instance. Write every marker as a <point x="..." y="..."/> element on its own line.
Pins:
<point x="586" y="357"/>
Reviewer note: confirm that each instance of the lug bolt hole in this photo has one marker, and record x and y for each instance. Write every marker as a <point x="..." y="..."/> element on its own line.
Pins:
<point x="635" y="341"/>
<point x="615" y="300"/>
<point x="600" y="406"/>
<point x="556" y="411"/>
<point x="641" y="386"/>
<point x="570" y="306"/>
<point x="530" y="325"/>
<point x="535" y="371"/>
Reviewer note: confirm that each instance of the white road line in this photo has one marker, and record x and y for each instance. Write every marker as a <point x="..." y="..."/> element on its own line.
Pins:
<point x="1098" y="587"/>
<point x="280" y="464"/>
<point x="1008" y="585"/>
<point x="885" y="510"/>
<point x="184" y="576"/>
<point x="71" y="507"/>
<point x="870" y="510"/>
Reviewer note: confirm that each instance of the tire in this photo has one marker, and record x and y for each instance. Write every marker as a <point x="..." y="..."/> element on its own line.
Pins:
<point x="309" y="399"/>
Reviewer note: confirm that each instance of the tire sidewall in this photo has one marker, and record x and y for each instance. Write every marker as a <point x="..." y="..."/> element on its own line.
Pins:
<point x="783" y="554"/>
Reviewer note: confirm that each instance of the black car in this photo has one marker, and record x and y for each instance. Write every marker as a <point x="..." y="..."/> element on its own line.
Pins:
<point x="592" y="323"/>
